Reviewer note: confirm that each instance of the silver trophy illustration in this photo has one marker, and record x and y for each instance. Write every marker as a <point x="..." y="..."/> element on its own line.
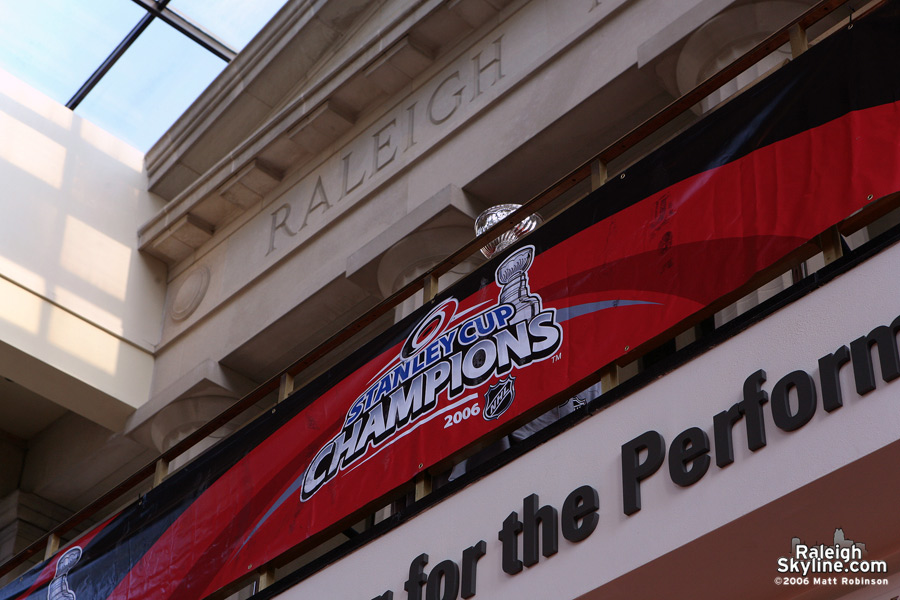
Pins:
<point x="512" y="276"/>
<point x="59" y="586"/>
<point x="494" y="215"/>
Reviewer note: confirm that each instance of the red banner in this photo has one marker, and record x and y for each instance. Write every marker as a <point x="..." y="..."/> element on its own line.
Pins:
<point x="577" y="306"/>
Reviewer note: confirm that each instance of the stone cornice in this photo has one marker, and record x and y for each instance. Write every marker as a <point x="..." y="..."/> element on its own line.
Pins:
<point x="390" y="47"/>
<point x="295" y="19"/>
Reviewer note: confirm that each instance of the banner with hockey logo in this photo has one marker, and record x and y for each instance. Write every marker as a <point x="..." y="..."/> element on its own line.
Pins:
<point x="645" y="254"/>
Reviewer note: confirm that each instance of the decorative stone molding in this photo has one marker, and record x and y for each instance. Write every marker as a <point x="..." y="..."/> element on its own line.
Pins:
<point x="323" y="125"/>
<point x="250" y="184"/>
<point x="181" y="238"/>
<point x="416" y="242"/>
<point x="309" y="118"/>
<point x="208" y="379"/>
<point x="399" y="65"/>
<point x="409" y="258"/>
<point x="183" y="417"/>
<point x="729" y="35"/>
<point x="190" y="294"/>
<point x="24" y="518"/>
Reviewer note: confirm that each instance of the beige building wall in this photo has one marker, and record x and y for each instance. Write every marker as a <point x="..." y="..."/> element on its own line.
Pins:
<point x="80" y="311"/>
<point x="79" y="306"/>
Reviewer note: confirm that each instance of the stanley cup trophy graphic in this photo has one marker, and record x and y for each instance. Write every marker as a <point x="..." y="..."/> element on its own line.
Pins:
<point x="59" y="586"/>
<point x="494" y="215"/>
<point x="512" y="274"/>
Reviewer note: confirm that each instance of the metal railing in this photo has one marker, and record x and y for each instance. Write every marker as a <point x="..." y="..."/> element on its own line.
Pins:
<point x="596" y="167"/>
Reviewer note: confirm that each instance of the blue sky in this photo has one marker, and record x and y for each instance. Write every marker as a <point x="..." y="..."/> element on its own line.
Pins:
<point x="55" y="45"/>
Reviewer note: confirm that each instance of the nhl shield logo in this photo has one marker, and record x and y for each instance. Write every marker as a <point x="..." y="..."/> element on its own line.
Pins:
<point x="499" y="397"/>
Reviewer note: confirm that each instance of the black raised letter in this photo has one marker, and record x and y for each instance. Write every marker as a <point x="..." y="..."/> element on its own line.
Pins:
<point x="388" y="595"/>
<point x="829" y="376"/>
<point x="447" y="572"/>
<point x="781" y="400"/>
<point x="547" y="519"/>
<point x="581" y="505"/>
<point x="413" y="585"/>
<point x="509" y="536"/>
<point x="750" y="407"/>
<point x="691" y="447"/>
<point x="723" y="424"/>
<point x="634" y="471"/>
<point x="885" y="338"/>
<point x="470" y="567"/>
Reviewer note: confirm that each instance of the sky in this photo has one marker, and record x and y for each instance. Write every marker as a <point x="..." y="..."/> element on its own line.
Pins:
<point x="55" y="46"/>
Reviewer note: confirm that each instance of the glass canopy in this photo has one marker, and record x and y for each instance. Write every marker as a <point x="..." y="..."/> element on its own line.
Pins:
<point x="130" y="66"/>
